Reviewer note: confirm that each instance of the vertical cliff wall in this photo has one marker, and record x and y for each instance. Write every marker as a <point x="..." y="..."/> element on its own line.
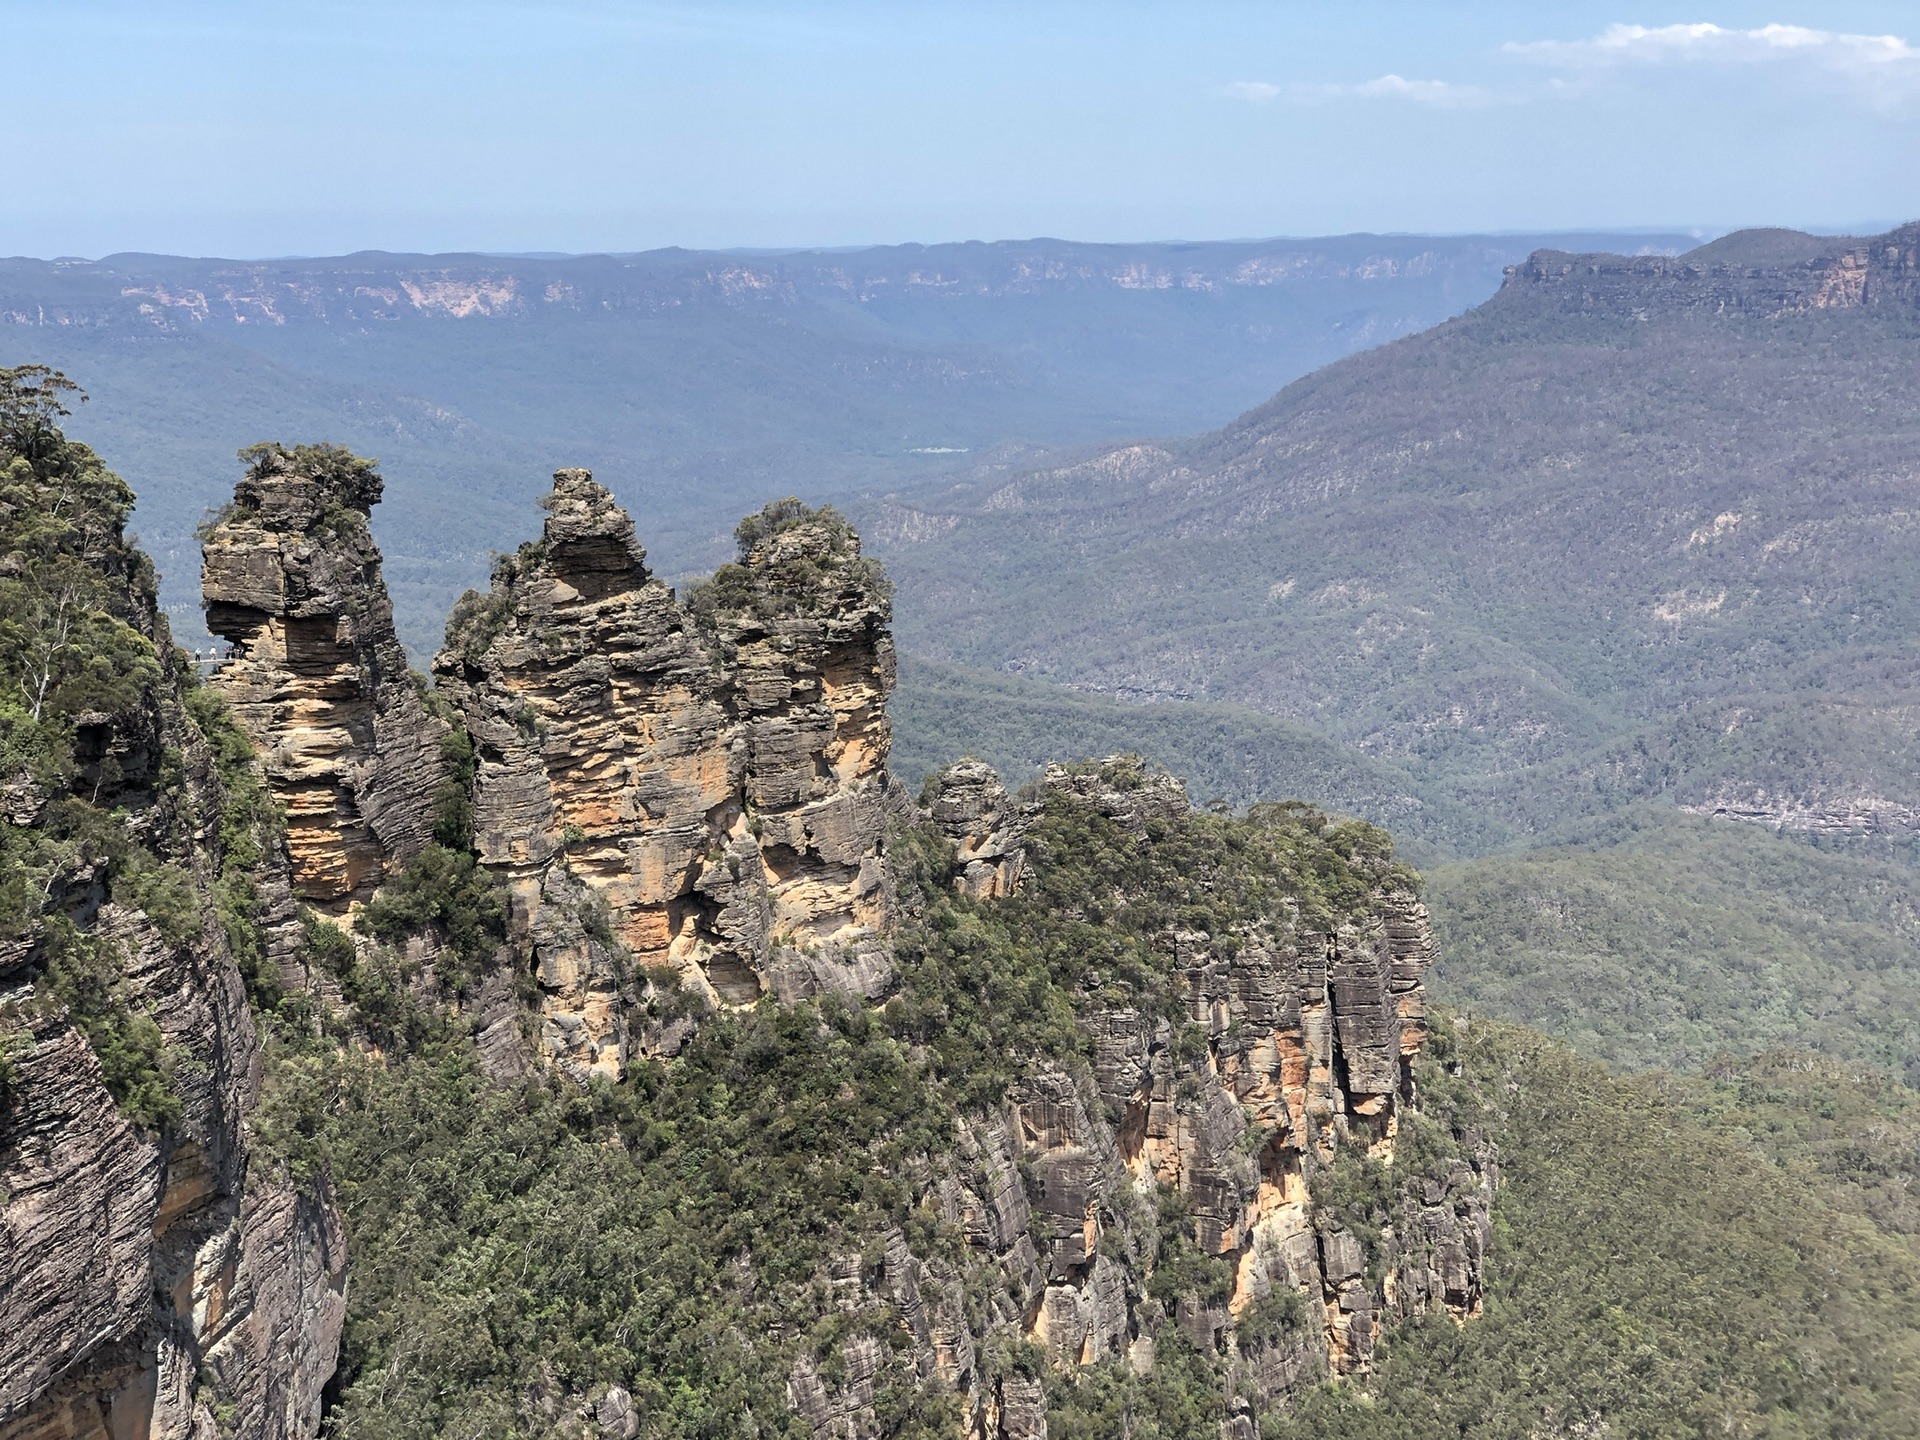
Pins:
<point x="156" y="1279"/>
<point x="1284" y="1069"/>
<point x="690" y="794"/>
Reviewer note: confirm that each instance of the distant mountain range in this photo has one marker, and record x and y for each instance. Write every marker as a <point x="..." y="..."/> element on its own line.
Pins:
<point x="1634" y="528"/>
<point x="694" y="383"/>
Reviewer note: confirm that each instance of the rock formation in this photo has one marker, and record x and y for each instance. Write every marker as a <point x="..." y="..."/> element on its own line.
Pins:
<point x="1755" y="273"/>
<point x="292" y="581"/>
<point x="684" y="795"/>
<point x="156" y="1278"/>
<point x="1308" y="1041"/>
<point x="971" y="808"/>
<point x="710" y="777"/>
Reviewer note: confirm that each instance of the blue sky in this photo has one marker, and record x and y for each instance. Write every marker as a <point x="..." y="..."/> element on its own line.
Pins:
<point x="309" y="128"/>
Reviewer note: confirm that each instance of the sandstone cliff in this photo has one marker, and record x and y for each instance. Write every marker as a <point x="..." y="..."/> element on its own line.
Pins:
<point x="691" y="795"/>
<point x="292" y="581"/>
<point x="1754" y="273"/>
<point x="1287" y="1064"/>
<point x="156" y="1280"/>
<point x="1198" y="1141"/>
<point x="713" y="776"/>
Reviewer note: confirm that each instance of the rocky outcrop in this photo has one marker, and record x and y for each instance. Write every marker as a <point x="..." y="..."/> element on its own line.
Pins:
<point x="1858" y="816"/>
<point x="687" y="801"/>
<point x="1289" y="1063"/>
<point x="988" y="831"/>
<point x="156" y="1278"/>
<point x="291" y="579"/>
<point x="695" y="793"/>
<point x="183" y="1253"/>
<point x="82" y="1188"/>
<point x="1754" y="273"/>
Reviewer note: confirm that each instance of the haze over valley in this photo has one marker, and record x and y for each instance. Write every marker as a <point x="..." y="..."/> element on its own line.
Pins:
<point x="1307" y="838"/>
<point x="694" y="383"/>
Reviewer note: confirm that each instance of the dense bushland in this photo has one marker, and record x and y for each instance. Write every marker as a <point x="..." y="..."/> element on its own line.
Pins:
<point x="525" y="1245"/>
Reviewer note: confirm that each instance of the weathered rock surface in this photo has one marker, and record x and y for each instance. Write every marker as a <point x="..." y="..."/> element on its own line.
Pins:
<point x="972" y="808"/>
<point x="1305" y="1046"/>
<point x="687" y="802"/>
<point x="153" y="1280"/>
<point x="1832" y="273"/>
<point x="291" y="579"/>
<point x="82" y="1189"/>
<point x="707" y="789"/>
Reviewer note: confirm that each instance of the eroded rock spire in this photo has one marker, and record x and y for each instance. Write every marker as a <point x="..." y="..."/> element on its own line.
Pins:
<point x="316" y="675"/>
<point x="696" y="789"/>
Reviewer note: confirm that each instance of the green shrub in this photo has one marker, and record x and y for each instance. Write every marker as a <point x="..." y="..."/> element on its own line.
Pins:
<point x="477" y="620"/>
<point x="15" y="1046"/>
<point x="328" y="946"/>
<point x="453" y="798"/>
<point x="164" y="892"/>
<point x="444" y="888"/>
<point x="83" y="973"/>
<point x="248" y="826"/>
<point x="1279" y="1314"/>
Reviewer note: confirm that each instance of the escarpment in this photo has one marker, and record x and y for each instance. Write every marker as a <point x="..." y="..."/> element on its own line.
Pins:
<point x="1077" y="1084"/>
<point x="687" y="803"/>
<point x="1280" y="1066"/>
<point x="1754" y="273"/>
<point x="713" y="774"/>
<point x="291" y="579"/>
<point x="158" y="1276"/>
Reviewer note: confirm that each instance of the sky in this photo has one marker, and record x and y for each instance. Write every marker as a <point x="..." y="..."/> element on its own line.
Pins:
<point x="414" y="125"/>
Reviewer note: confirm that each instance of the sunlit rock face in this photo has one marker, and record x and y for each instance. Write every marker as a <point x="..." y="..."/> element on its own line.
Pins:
<point x="988" y="830"/>
<point x="291" y="579"/>
<point x="1299" y="1036"/>
<point x="704" y="783"/>
<point x="1289" y="1053"/>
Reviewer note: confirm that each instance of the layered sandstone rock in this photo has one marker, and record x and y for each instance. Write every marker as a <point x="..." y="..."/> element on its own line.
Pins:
<point x="689" y="790"/>
<point x="291" y="579"/>
<point x="1836" y="273"/>
<point x="972" y="809"/>
<point x="155" y="1281"/>
<point x="150" y="1280"/>
<point x="1297" y="1049"/>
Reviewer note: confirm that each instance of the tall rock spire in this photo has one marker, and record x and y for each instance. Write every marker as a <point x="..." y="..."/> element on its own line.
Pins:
<point x="291" y="579"/>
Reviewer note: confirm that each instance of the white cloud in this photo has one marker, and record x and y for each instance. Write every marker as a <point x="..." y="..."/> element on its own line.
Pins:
<point x="1631" y="44"/>
<point x="1882" y="69"/>
<point x="1884" y="66"/>
<point x="1438" y="93"/>
<point x="1421" y="92"/>
<point x="1254" y="92"/>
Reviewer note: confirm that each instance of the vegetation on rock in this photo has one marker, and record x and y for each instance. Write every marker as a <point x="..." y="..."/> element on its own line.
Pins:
<point x="792" y="560"/>
<point x="521" y="1247"/>
<point x="75" y="670"/>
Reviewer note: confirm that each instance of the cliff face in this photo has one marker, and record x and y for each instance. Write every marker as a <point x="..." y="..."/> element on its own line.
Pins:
<point x="292" y="581"/>
<point x="715" y="780"/>
<point x="691" y="795"/>
<point x="155" y="1281"/>
<point x="987" y="830"/>
<point x="1751" y="273"/>
<point x="1287" y="1064"/>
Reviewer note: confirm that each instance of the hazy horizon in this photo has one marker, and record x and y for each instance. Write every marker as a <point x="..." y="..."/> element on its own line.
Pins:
<point x="332" y="126"/>
<point x="1700" y="234"/>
